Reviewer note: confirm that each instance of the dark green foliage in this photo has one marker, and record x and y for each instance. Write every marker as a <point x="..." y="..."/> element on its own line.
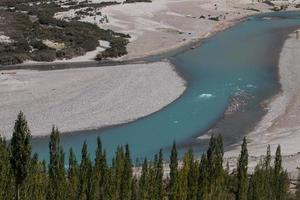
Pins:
<point x="134" y="193"/>
<point x="159" y="173"/>
<point x="126" y="177"/>
<point x="77" y="37"/>
<point x="6" y="175"/>
<point x="192" y="177"/>
<point x="72" y="177"/>
<point x="280" y="178"/>
<point x="35" y="185"/>
<point x="144" y="182"/>
<point x="203" y="180"/>
<point x="189" y="179"/>
<point x="100" y="171"/>
<point x="215" y="168"/>
<point x="117" y="49"/>
<point x="269" y="182"/>
<point x="242" y="175"/>
<point x="57" y="180"/>
<point x="173" y="185"/>
<point x="137" y="1"/>
<point x="85" y="191"/>
<point x="20" y="151"/>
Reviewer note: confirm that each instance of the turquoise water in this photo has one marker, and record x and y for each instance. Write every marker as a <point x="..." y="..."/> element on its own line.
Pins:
<point x="242" y="58"/>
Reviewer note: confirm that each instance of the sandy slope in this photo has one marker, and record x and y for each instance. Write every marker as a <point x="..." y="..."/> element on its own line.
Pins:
<point x="281" y="125"/>
<point x="86" y="98"/>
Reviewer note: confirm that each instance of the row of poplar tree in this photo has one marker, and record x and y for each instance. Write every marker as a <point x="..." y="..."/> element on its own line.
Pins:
<point x="23" y="176"/>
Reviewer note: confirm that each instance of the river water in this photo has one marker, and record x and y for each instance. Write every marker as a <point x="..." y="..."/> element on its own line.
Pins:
<point x="240" y="60"/>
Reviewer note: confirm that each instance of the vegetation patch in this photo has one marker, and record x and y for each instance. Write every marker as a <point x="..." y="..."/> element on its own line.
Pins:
<point x="136" y="1"/>
<point x="37" y="36"/>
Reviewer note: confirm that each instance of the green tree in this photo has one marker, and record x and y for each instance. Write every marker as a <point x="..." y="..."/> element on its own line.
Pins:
<point x="118" y="171"/>
<point x="173" y="184"/>
<point x="203" y="180"/>
<point x="242" y="175"/>
<point x="73" y="177"/>
<point x="99" y="171"/>
<point x="281" y="180"/>
<point x="215" y="169"/>
<point x="159" y="185"/>
<point x="85" y="175"/>
<point x="20" y="151"/>
<point x="6" y="176"/>
<point x="144" y="181"/>
<point x="297" y="194"/>
<point x="126" y="176"/>
<point x="36" y="184"/>
<point x="183" y="178"/>
<point x="192" y="177"/>
<point x="57" y="179"/>
<point x="134" y="192"/>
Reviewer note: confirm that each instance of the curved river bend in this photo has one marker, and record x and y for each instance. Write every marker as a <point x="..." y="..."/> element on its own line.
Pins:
<point x="241" y="59"/>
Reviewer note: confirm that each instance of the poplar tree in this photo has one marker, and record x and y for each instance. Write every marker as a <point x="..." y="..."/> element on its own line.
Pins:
<point x="267" y="178"/>
<point x="73" y="177"/>
<point x="99" y="171"/>
<point x="183" y="176"/>
<point x="144" y="181"/>
<point x="20" y="151"/>
<point x="85" y="175"/>
<point x="173" y="185"/>
<point x="134" y="190"/>
<point x="6" y="176"/>
<point x="281" y="180"/>
<point x="242" y="175"/>
<point x="118" y="171"/>
<point x="192" y="177"/>
<point x="215" y="168"/>
<point x="277" y="173"/>
<point x="36" y="183"/>
<point x="126" y="177"/>
<point x="57" y="180"/>
<point x="159" y="186"/>
<point x="203" y="180"/>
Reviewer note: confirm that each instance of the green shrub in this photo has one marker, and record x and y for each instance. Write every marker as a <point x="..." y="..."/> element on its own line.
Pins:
<point x="47" y="55"/>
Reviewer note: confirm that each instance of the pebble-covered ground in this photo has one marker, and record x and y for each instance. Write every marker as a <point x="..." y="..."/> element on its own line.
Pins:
<point x="86" y="98"/>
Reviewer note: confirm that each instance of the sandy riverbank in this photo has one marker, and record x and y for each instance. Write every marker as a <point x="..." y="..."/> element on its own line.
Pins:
<point x="86" y="98"/>
<point x="164" y="25"/>
<point x="281" y="125"/>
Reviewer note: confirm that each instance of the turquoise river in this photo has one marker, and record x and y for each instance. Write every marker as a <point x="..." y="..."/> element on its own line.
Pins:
<point x="242" y="59"/>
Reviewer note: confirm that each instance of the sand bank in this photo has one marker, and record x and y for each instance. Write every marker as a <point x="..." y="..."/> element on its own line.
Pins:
<point x="281" y="125"/>
<point x="86" y="98"/>
<point x="164" y="25"/>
